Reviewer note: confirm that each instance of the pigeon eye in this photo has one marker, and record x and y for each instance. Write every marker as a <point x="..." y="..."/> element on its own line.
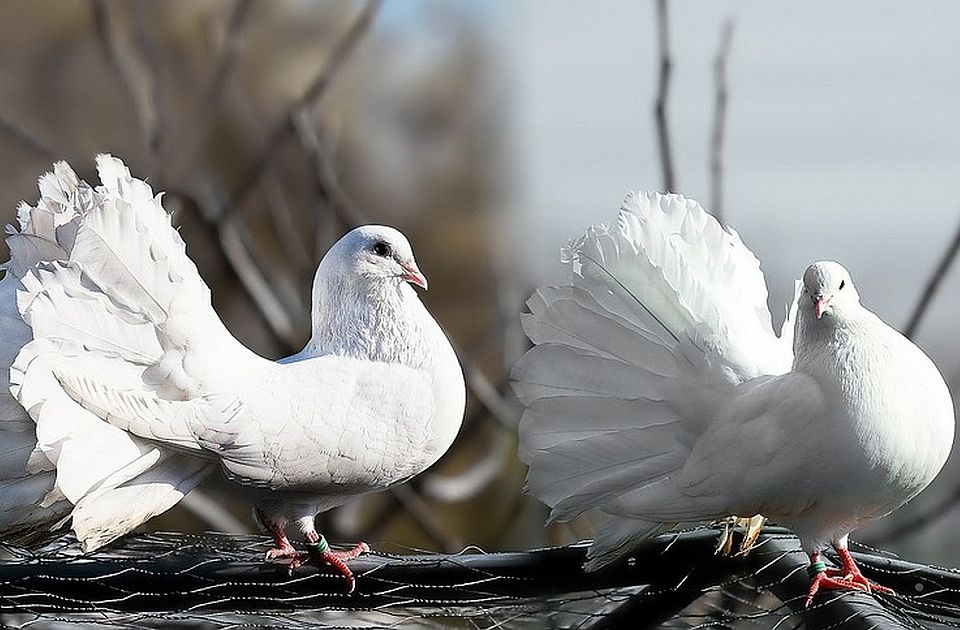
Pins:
<point x="842" y="282"/>
<point x="381" y="249"/>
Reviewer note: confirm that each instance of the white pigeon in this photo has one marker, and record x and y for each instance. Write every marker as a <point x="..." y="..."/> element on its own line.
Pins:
<point x="138" y="390"/>
<point x="657" y="393"/>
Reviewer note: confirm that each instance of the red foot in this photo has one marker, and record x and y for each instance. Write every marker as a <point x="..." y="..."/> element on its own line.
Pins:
<point x="281" y="544"/>
<point x="349" y="554"/>
<point x="847" y="578"/>
<point x="338" y="560"/>
<point x="284" y="550"/>
<point x="335" y="559"/>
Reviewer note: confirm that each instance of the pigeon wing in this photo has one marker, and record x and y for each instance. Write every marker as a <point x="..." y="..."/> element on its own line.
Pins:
<point x="353" y="427"/>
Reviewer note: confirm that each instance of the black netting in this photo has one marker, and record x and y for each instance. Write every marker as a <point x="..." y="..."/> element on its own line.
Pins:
<point x="676" y="581"/>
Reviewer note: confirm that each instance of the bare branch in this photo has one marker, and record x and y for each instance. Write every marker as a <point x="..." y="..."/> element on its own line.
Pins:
<point x="233" y="238"/>
<point x="123" y="66"/>
<point x="467" y="484"/>
<point x="316" y="89"/>
<point x="194" y="133"/>
<point x="235" y="242"/>
<point x="324" y="176"/>
<point x="27" y="139"/>
<point x="660" y="110"/>
<point x="933" y="284"/>
<point x="719" y="120"/>
<point x="499" y="407"/>
<point x="282" y="218"/>
<point x="212" y="513"/>
<point x="414" y="505"/>
<point x="154" y="75"/>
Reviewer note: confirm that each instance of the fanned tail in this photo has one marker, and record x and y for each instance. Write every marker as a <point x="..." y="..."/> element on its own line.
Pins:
<point x="663" y="317"/>
<point x="104" y="278"/>
<point x="30" y="508"/>
<point x="127" y="246"/>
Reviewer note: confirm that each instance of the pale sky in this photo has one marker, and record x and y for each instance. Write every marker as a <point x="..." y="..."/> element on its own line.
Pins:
<point x="843" y="137"/>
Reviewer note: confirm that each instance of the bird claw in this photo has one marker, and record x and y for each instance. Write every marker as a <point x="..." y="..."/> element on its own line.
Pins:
<point x="349" y="554"/>
<point x="335" y="559"/>
<point x="844" y="580"/>
<point x="278" y="553"/>
<point x="752" y="527"/>
<point x="296" y="558"/>
<point x="725" y="542"/>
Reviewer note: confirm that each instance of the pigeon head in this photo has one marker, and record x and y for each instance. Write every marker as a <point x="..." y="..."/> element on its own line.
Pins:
<point x="374" y="254"/>
<point x="828" y="290"/>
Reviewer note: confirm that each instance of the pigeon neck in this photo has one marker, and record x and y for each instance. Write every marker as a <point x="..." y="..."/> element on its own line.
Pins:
<point x="817" y="340"/>
<point x="379" y="321"/>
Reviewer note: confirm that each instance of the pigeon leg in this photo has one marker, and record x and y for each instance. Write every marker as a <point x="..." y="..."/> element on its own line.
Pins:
<point x="846" y="578"/>
<point x="321" y="552"/>
<point x="850" y="571"/>
<point x="281" y="544"/>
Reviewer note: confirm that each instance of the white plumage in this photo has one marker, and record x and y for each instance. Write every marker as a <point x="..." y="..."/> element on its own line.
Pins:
<point x="657" y="392"/>
<point x="137" y="390"/>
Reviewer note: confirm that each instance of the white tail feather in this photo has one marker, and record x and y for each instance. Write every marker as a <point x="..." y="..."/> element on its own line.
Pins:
<point x="101" y="517"/>
<point x="664" y="316"/>
<point x="127" y="246"/>
<point x="100" y="311"/>
<point x="29" y="504"/>
<point x="617" y="537"/>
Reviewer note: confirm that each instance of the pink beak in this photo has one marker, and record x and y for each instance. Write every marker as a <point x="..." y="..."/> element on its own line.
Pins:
<point x="412" y="275"/>
<point x="820" y="305"/>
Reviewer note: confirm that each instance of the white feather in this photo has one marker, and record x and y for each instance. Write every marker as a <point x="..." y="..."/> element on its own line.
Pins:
<point x="657" y="392"/>
<point x="76" y="328"/>
<point x="30" y="504"/>
<point x="137" y="389"/>
<point x="648" y="336"/>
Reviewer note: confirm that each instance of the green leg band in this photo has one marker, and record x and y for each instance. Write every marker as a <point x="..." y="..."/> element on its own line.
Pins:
<point x="321" y="546"/>
<point x="816" y="567"/>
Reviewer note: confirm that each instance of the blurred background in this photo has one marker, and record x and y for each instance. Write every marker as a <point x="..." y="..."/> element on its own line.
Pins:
<point x="491" y="133"/>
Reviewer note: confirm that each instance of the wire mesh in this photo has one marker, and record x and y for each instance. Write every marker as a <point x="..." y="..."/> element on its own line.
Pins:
<point x="675" y="581"/>
<point x="216" y="581"/>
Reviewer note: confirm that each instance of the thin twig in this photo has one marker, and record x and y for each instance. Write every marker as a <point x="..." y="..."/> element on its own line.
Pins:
<point x="154" y="75"/>
<point x="212" y="513"/>
<point x="285" y="225"/>
<point x="108" y="41"/>
<point x="470" y="482"/>
<point x="719" y="120"/>
<point x="328" y="189"/>
<point x="121" y="64"/>
<point x="502" y="409"/>
<point x="414" y="505"/>
<point x="660" y="110"/>
<point x="27" y="139"/>
<point x="316" y="89"/>
<point x="232" y="238"/>
<point x="192" y="135"/>
<point x="933" y="284"/>
<point x="235" y="243"/>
